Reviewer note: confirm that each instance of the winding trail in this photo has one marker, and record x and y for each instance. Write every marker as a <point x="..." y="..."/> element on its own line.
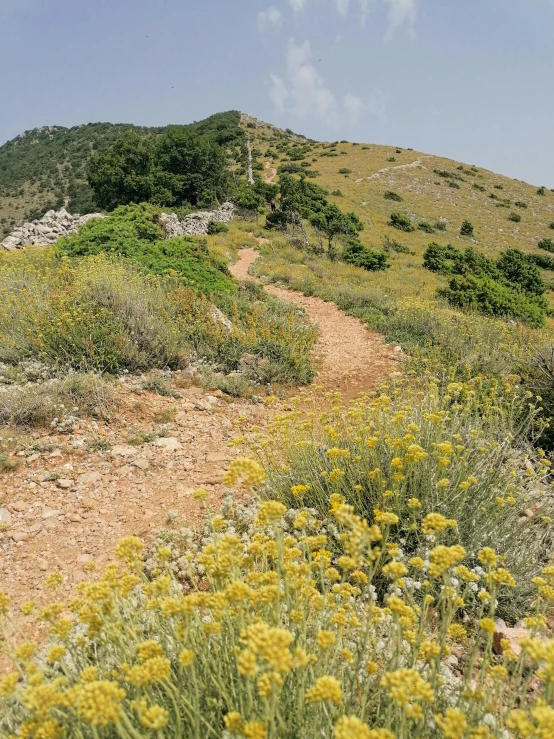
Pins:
<point x="412" y="165"/>
<point x="348" y="356"/>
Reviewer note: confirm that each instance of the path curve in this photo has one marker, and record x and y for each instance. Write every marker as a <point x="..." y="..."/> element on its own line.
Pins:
<point x="345" y="345"/>
<point x="412" y="165"/>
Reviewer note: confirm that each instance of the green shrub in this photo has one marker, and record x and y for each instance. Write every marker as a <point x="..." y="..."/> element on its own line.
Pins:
<point x="362" y="256"/>
<point x="337" y="193"/>
<point x="425" y="227"/>
<point x="546" y="244"/>
<point x="551" y="225"/>
<point x="391" y="195"/>
<point x="453" y="184"/>
<point x="440" y="226"/>
<point x="391" y="159"/>
<point x="466" y="228"/>
<point x="515" y="217"/>
<point x="401" y="222"/>
<point x="479" y="187"/>
<point x="217" y="227"/>
<point x="498" y="187"/>
<point x="520" y="204"/>
<point x="134" y="232"/>
<point x="393" y="245"/>
<point x="490" y="297"/>
<point x="344" y="170"/>
<point x="541" y="191"/>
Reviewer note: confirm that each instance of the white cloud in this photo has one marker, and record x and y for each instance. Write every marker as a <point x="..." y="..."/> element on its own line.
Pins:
<point x="278" y="93"/>
<point x="353" y="106"/>
<point x="401" y="13"/>
<point x="270" y="18"/>
<point x="366" y="7"/>
<point x="298" y="5"/>
<point x="377" y="104"/>
<point x="307" y="88"/>
<point x="342" y="7"/>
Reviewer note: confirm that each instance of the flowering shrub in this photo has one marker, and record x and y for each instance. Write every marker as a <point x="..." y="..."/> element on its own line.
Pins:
<point x="415" y="453"/>
<point x="285" y="640"/>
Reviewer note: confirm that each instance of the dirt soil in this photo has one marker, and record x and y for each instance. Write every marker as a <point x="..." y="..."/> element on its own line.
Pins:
<point x="348" y="357"/>
<point x="68" y="504"/>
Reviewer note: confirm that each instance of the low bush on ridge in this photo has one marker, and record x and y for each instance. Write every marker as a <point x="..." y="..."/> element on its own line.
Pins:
<point x="286" y="639"/>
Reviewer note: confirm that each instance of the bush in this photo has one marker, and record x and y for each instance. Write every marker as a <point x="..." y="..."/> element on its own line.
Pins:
<point x="440" y="226"/>
<point x="453" y="184"/>
<point x="466" y="228"/>
<point x="337" y="193"/>
<point x="274" y="646"/>
<point x="488" y="296"/>
<point x="217" y="227"/>
<point x="444" y="451"/>
<point x="390" y="195"/>
<point x="546" y="244"/>
<point x="361" y="256"/>
<point x="73" y="396"/>
<point x="401" y="222"/>
<point x="344" y="170"/>
<point x="541" y="191"/>
<point x="520" y="204"/>
<point x="425" y="227"/>
<point x="134" y="232"/>
<point x="476" y="186"/>
<point x="551" y="225"/>
<point x="391" y="159"/>
<point x="515" y="217"/>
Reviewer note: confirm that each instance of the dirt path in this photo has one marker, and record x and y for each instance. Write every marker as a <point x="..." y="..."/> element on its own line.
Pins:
<point x="348" y="356"/>
<point x="270" y="173"/>
<point x="412" y="165"/>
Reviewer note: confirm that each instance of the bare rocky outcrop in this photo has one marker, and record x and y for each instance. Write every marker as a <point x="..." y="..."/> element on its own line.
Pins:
<point x="195" y="224"/>
<point x="51" y="227"/>
<point x="55" y="224"/>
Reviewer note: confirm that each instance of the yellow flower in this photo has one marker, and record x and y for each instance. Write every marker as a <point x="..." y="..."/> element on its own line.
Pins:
<point x="435" y="523"/>
<point x="443" y="558"/>
<point x="487" y="557"/>
<point x="233" y="722"/>
<point x="25" y="651"/>
<point x="453" y="723"/>
<point x="457" y="632"/>
<point x="98" y="702"/>
<point x="8" y="685"/>
<point x="414" y="503"/>
<point x="428" y="650"/>
<point x="254" y="730"/>
<point x="246" y="471"/>
<point x="154" y="718"/>
<point x="55" y="654"/>
<point x="326" y="688"/>
<point x="325" y="639"/>
<point x="444" y="483"/>
<point x="186" y="657"/>
<point x="54" y="579"/>
<point x="298" y="489"/>
<point x="270" y="512"/>
<point x="247" y="663"/>
<point x="350" y="727"/>
<point x="407" y="688"/>
<point x="148" y="649"/>
<point x="395" y="570"/>
<point x="487" y="624"/>
<point x="129" y="548"/>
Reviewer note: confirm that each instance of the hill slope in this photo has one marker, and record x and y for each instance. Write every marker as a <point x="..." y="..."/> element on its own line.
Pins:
<point x="46" y="167"/>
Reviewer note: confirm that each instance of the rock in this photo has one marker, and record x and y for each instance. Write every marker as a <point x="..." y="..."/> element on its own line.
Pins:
<point x="33" y="458"/>
<point x="514" y="636"/>
<point x="141" y="463"/>
<point x="88" y="504"/>
<point x="195" y="224"/>
<point x="47" y="230"/>
<point x="216" y="457"/>
<point x="5" y="517"/>
<point x="50" y="523"/>
<point x="123" y="450"/>
<point x="18" y="536"/>
<point x="202" y="405"/>
<point x="43" y="565"/>
<point x="35" y="528"/>
<point x="182" y="419"/>
<point x="169" y="443"/>
<point x="49" y="513"/>
<point x="75" y="518"/>
<point x="82" y="559"/>
<point x="20" y="506"/>
<point x="212" y="400"/>
<point x="64" y="484"/>
<point x="89" y="478"/>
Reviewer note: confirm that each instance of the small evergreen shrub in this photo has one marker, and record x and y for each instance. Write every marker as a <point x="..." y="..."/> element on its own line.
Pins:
<point x="551" y="225"/>
<point x="362" y="256"/>
<point x="499" y="187"/>
<point x="466" y="228"/>
<point x="391" y="159"/>
<point x="541" y="191"/>
<point x="520" y="204"/>
<point x="217" y="227"/>
<point x="344" y="170"/>
<point x="425" y="227"/>
<point x="337" y="193"/>
<point x="515" y="217"/>
<point x="391" y="195"/>
<point x="453" y="185"/>
<point x="477" y="186"/>
<point x="440" y="226"/>
<point x="401" y="222"/>
<point x="546" y="244"/>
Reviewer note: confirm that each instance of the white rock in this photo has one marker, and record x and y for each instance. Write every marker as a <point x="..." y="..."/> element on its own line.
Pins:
<point x="5" y="517"/>
<point x="169" y="443"/>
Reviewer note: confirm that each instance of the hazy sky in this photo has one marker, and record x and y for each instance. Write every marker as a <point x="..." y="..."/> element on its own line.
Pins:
<point x="468" y="79"/>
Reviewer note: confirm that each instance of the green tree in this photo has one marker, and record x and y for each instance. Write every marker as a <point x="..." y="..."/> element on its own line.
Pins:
<point x="332" y="221"/>
<point x="120" y="173"/>
<point x="466" y="228"/>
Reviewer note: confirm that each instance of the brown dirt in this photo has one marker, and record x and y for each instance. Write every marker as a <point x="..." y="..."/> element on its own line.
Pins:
<point x="70" y="505"/>
<point x="349" y="357"/>
<point x="270" y="173"/>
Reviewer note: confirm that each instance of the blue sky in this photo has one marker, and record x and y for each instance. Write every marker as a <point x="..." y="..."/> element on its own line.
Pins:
<point x="469" y="79"/>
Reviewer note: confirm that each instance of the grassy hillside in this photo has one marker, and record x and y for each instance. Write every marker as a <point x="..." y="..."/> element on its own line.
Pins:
<point x="47" y="167"/>
<point x="437" y="194"/>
